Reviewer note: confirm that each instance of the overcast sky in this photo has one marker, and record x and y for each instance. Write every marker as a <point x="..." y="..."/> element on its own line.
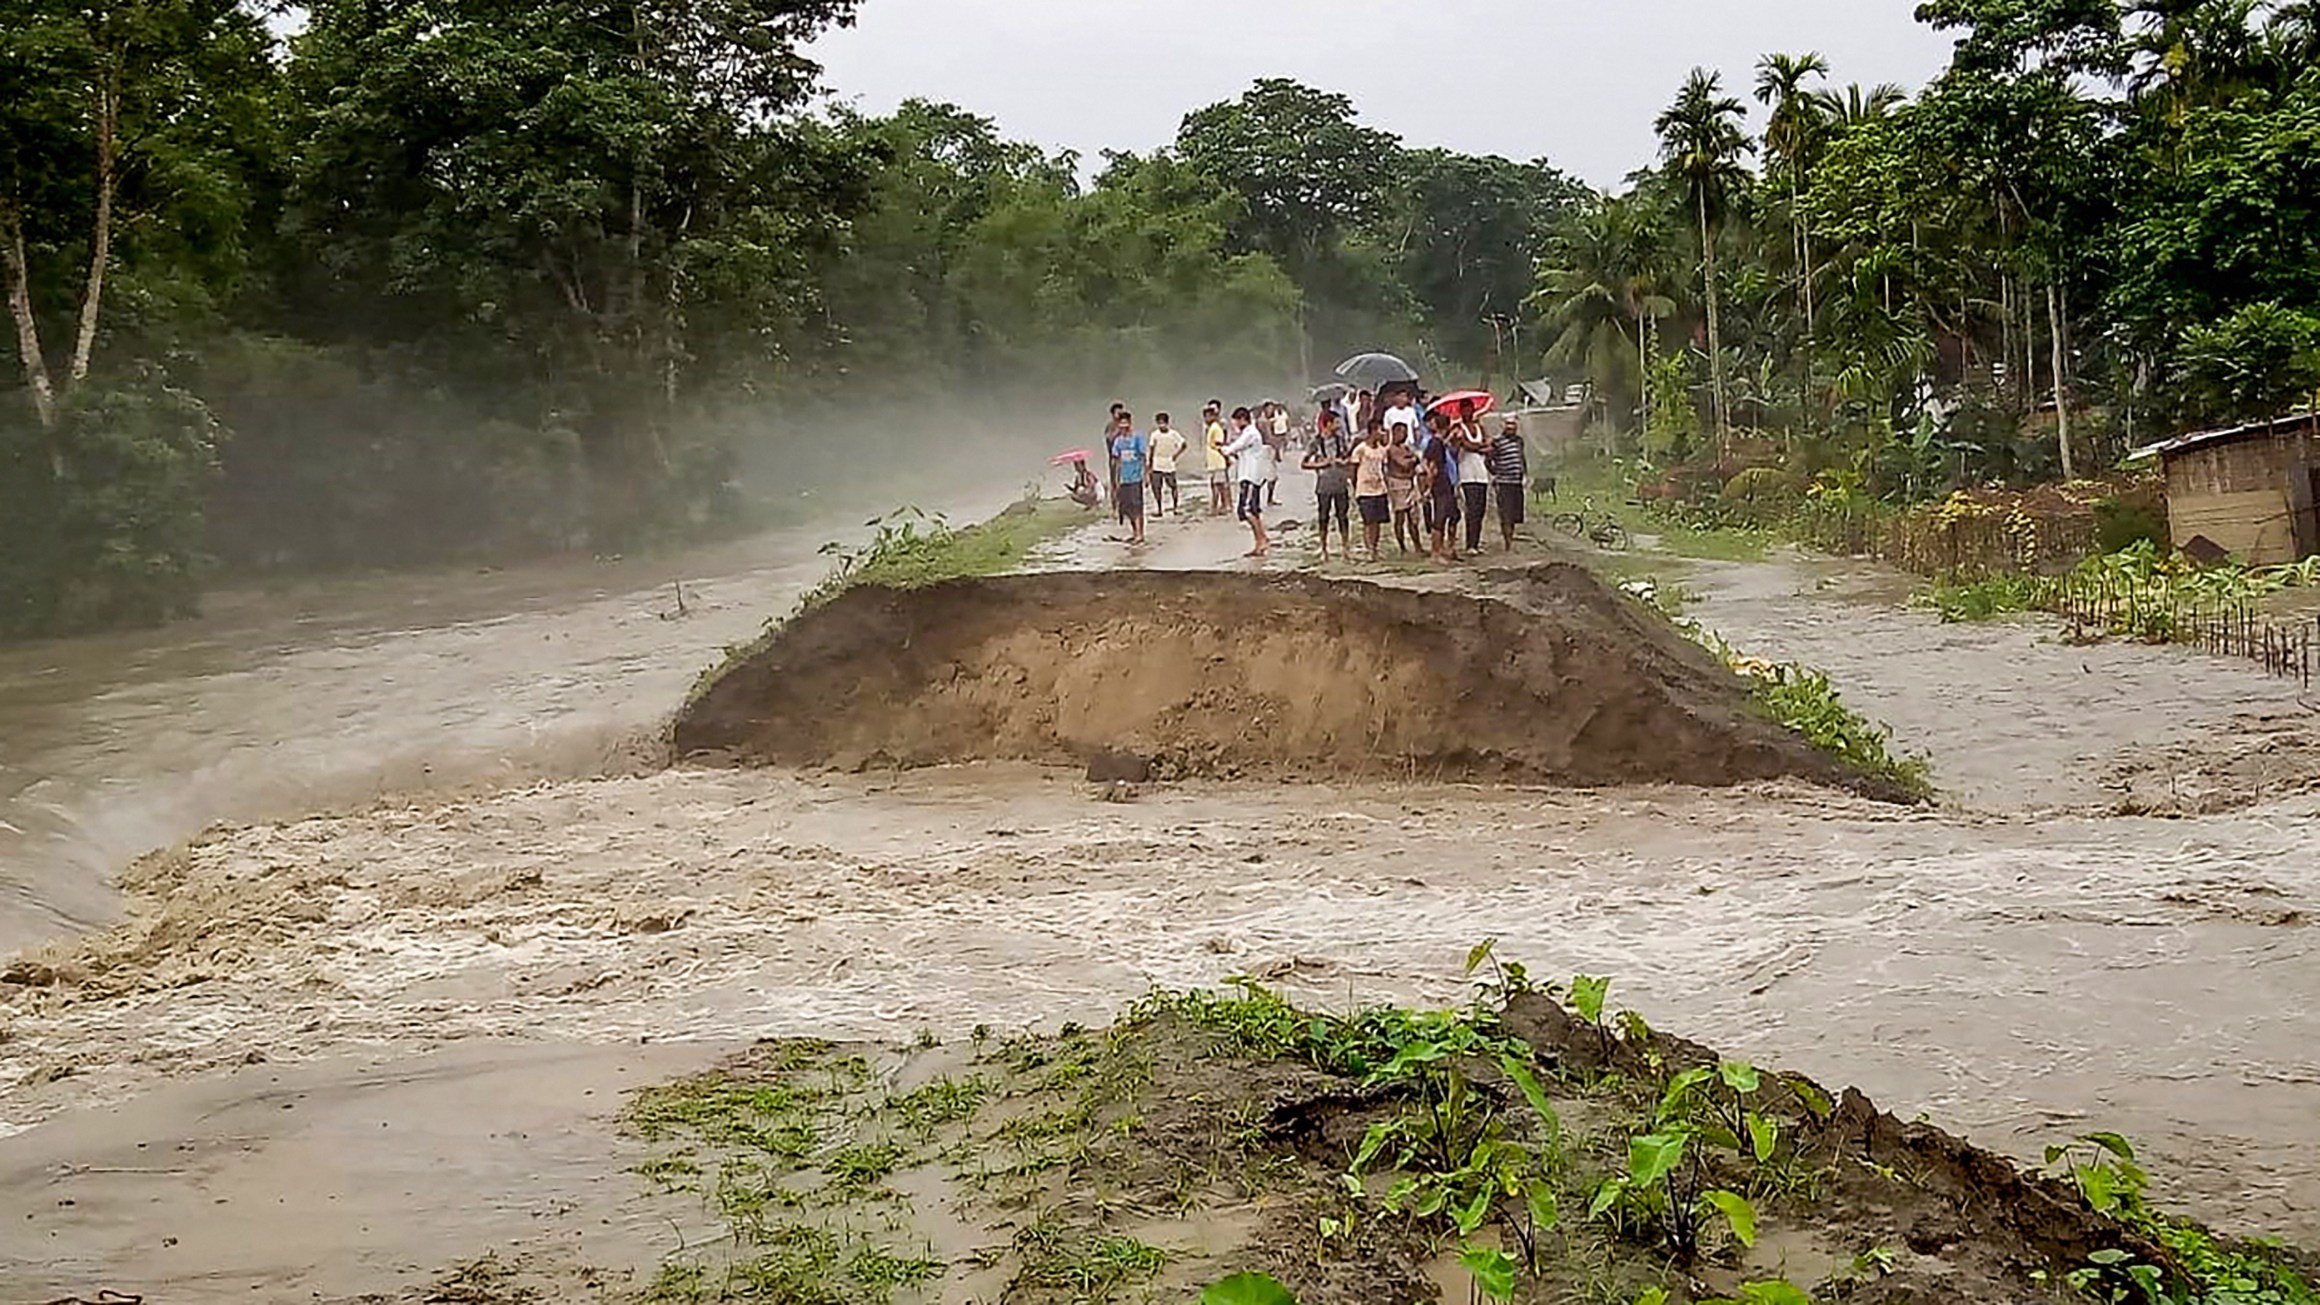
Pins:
<point x="1576" y="84"/>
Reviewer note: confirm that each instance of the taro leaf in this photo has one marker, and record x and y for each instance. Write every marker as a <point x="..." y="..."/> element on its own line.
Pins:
<point x="1774" y="1293"/>
<point x="1247" y="1289"/>
<point x="1655" y="1296"/>
<point x="1371" y="1143"/>
<point x="1738" y="1075"/>
<point x="1652" y="1157"/>
<point x="1816" y="1102"/>
<point x="1587" y="995"/>
<point x="1532" y="1092"/>
<point x="1481" y="953"/>
<point x="1493" y="1271"/>
<point x="1472" y="1216"/>
<point x="2100" y="1187"/>
<point x="2108" y="1256"/>
<point x="1763" y="1136"/>
<point x="1606" y="1196"/>
<point x="1737" y="1212"/>
<point x="2114" y="1144"/>
<point x="1545" y="1214"/>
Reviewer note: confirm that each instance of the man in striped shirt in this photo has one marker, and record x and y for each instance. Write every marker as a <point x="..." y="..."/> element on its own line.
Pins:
<point x="1509" y="477"/>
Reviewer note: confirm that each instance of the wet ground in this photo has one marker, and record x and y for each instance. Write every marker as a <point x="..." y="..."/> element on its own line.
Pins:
<point x="2019" y="966"/>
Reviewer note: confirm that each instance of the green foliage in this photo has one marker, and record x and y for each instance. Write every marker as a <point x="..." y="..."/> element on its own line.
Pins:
<point x="2198" y="1268"/>
<point x="1247" y="1289"/>
<point x="2261" y="361"/>
<point x="1804" y="700"/>
<point x="1666" y="1190"/>
<point x="1980" y="600"/>
<point x="1762" y="496"/>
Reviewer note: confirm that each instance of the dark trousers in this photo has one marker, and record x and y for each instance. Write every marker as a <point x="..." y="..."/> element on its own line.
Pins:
<point x="1477" y="502"/>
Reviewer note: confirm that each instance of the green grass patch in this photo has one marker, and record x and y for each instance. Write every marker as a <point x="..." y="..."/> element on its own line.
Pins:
<point x="1594" y="487"/>
<point x="1982" y="600"/>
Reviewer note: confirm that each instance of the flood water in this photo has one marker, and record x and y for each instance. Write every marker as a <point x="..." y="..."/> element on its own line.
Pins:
<point x="2019" y="965"/>
<point x="332" y="692"/>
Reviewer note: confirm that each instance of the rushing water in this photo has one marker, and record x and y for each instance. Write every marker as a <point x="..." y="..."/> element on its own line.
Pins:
<point x="333" y="692"/>
<point x="2020" y="967"/>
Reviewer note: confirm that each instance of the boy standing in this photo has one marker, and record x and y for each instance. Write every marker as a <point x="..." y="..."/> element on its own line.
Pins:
<point x="1219" y="466"/>
<point x="1254" y="459"/>
<point x="1168" y="444"/>
<point x="1329" y="456"/>
<point x="1369" y="485"/>
<point x="1129" y="451"/>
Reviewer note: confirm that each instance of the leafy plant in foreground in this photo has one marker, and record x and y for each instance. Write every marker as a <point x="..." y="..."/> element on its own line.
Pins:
<point x="1667" y="1184"/>
<point x="2200" y="1271"/>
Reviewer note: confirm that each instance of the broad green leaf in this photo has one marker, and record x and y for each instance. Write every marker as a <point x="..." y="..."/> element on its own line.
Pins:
<point x="1247" y="1289"/>
<point x="1481" y="953"/>
<point x="1606" y="1196"/>
<point x="1774" y="1293"/>
<point x="1545" y="1213"/>
<point x="1493" y="1271"/>
<point x="1816" y="1102"/>
<point x="1763" y="1136"/>
<point x="2108" y="1256"/>
<point x="1470" y="1216"/>
<point x="1738" y="1075"/>
<point x="1528" y="1083"/>
<point x="2099" y="1185"/>
<point x="1652" y="1157"/>
<point x="1372" y="1142"/>
<point x="1587" y="996"/>
<point x="1737" y="1212"/>
<point x="1655" y="1296"/>
<point x="2114" y="1144"/>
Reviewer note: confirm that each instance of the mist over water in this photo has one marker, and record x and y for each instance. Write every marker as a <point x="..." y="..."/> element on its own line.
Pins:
<point x="327" y="691"/>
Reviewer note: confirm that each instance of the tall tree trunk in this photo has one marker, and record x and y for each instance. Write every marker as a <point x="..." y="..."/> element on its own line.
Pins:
<point x="101" y="233"/>
<point x="12" y="260"/>
<point x="2061" y="384"/>
<point x="1715" y="333"/>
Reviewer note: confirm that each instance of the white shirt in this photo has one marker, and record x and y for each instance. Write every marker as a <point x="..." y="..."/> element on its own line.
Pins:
<point x="1253" y="458"/>
<point x="1473" y="467"/>
<point x="1404" y="415"/>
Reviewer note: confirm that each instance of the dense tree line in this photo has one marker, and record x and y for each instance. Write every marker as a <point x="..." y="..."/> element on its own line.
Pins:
<point x="2100" y="225"/>
<point x="441" y="278"/>
<point x="438" y="279"/>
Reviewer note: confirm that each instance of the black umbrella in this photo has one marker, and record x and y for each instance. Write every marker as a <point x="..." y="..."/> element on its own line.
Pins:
<point x="1331" y="392"/>
<point x="1375" y="371"/>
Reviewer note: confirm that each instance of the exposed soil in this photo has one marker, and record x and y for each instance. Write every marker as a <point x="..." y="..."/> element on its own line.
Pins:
<point x="1233" y="675"/>
<point x="1209" y="1135"/>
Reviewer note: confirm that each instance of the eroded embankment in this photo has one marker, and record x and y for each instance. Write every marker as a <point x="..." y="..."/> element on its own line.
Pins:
<point x="1216" y="675"/>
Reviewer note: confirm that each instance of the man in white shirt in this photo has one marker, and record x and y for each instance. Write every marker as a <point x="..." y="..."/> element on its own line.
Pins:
<point x="1253" y="463"/>
<point x="1167" y="445"/>
<point x="1404" y="412"/>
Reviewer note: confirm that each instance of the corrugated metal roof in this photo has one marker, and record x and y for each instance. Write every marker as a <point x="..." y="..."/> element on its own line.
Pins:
<point x="2224" y="435"/>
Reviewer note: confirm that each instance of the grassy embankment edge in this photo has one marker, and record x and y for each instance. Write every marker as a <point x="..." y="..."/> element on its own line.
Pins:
<point x="1549" y="1173"/>
<point x="912" y="549"/>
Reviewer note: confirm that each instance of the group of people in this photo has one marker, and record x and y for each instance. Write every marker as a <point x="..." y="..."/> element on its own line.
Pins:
<point x="1386" y="457"/>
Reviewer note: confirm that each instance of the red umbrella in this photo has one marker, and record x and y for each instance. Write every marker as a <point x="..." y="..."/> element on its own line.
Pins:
<point x="1066" y="459"/>
<point x="1473" y="403"/>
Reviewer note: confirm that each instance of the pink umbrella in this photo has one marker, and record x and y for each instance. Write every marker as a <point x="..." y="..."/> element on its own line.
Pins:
<point x="1472" y="403"/>
<point x="1066" y="459"/>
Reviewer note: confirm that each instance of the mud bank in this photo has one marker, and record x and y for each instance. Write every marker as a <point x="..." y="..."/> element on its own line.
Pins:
<point x="1379" y="1156"/>
<point x="1226" y="676"/>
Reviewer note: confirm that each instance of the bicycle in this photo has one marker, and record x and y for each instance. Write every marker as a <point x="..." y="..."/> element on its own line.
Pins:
<point x="1598" y="528"/>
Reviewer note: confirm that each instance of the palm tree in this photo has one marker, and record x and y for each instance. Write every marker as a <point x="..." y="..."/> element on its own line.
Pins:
<point x="1701" y="140"/>
<point x="1788" y="142"/>
<point x="1857" y="107"/>
<point x="1612" y="280"/>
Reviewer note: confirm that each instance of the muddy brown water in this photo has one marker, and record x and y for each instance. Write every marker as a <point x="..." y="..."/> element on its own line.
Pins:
<point x="2018" y="966"/>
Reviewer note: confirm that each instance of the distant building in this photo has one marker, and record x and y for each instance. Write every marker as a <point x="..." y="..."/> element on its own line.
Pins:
<point x="2249" y="491"/>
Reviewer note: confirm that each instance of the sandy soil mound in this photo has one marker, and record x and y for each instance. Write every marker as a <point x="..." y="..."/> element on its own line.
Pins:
<point x="1217" y="675"/>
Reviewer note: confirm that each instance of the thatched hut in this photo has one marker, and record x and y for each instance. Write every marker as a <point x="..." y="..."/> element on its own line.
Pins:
<point x="2248" y="491"/>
